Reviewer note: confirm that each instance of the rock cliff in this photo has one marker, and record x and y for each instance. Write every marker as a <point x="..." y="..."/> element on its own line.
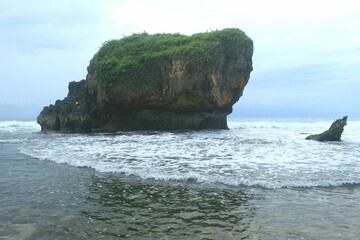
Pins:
<point x="157" y="82"/>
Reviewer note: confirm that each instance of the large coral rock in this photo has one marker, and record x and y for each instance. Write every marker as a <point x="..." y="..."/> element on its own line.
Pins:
<point x="334" y="132"/>
<point x="153" y="87"/>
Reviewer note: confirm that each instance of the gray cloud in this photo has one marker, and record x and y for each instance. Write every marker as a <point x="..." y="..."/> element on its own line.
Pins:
<point x="304" y="64"/>
<point x="48" y="24"/>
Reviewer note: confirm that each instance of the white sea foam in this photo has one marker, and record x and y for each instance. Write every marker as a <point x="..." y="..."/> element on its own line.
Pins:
<point x="17" y="131"/>
<point x="19" y="126"/>
<point x="272" y="153"/>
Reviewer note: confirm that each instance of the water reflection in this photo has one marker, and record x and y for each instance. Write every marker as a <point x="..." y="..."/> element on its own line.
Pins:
<point x="45" y="200"/>
<point x="136" y="208"/>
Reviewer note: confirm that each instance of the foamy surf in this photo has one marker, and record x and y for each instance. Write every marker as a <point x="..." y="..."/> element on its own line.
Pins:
<point x="270" y="154"/>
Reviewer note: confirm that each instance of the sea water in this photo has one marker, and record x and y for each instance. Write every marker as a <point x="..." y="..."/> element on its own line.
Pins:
<point x="260" y="180"/>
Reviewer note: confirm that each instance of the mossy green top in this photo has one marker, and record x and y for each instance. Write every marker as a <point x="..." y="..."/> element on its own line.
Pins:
<point x="128" y="59"/>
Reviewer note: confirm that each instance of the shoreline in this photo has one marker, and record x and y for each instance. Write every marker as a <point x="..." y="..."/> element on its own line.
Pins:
<point x="48" y="200"/>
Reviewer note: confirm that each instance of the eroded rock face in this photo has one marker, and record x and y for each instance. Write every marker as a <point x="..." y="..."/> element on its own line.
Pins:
<point x="70" y="114"/>
<point x="334" y="132"/>
<point x="181" y="96"/>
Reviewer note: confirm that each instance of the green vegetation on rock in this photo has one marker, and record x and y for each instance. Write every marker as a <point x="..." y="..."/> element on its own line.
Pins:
<point x="132" y="58"/>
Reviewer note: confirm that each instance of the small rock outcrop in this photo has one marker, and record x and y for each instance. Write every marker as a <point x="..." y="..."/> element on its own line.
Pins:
<point x="157" y="82"/>
<point x="334" y="132"/>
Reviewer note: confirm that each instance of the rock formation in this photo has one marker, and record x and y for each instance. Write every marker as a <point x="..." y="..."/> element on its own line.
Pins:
<point x="334" y="132"/>
<point x="69" y="115"/>
<point x="157" y="82"/>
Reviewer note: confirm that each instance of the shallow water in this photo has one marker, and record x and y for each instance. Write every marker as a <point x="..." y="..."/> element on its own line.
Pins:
<point x="260" y="180"/>
<point x="266" y="154"/>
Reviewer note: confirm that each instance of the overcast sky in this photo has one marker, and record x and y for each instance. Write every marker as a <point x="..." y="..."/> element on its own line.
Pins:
<point x="306" y="53"/>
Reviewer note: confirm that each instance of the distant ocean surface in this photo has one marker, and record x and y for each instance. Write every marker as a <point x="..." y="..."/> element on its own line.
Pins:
<point x="259" y="180"/>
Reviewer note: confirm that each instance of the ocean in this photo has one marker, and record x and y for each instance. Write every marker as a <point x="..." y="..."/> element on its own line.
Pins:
<point x="259" y="180"/>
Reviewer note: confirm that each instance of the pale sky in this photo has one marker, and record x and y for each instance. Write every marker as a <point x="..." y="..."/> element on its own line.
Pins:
<point x="306" y="53"/>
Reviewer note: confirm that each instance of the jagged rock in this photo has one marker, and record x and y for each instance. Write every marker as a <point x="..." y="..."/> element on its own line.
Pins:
<point x="157" y="82"/>
<point x="334" y="132"/>
<point x="68" y="115"/>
